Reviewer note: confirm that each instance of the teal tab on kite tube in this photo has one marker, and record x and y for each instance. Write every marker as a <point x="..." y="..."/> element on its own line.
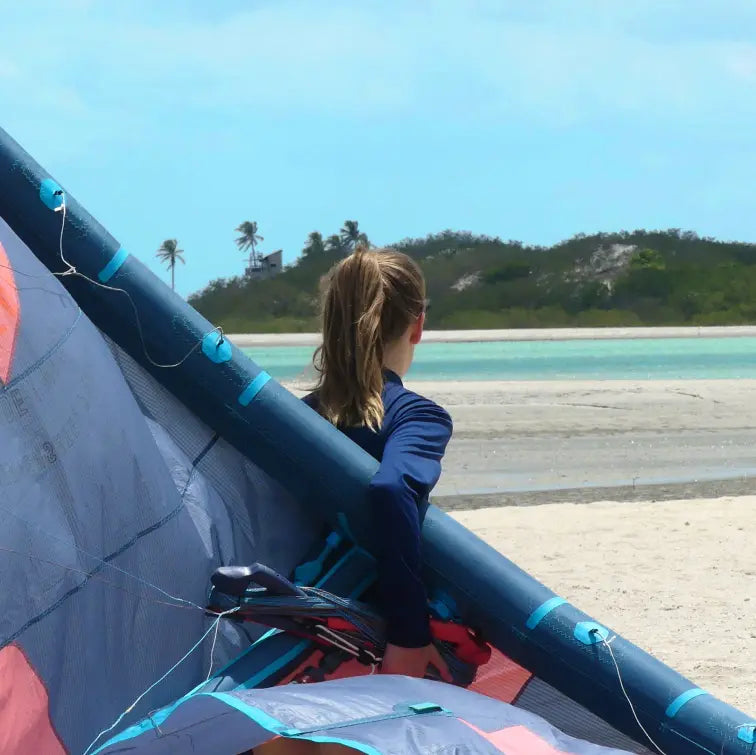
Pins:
<point x="674" y="707"/>
<point x="113" y="266"/>
<point x="216" y="348"/>
<point x="589" y="632"/>
<point x="747" y="733"/>
<point x="51" y="194"/>
<point x="254" y="387"/>
<point x="543" y="610"/>
<point x="421" y="708"/>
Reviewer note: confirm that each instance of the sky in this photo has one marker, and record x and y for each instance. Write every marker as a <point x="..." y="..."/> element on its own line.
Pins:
<point x="525" y="120"/>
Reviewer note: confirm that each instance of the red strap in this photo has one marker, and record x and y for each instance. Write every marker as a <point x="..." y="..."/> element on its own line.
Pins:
<point x="340" y="625"/>
<point x="468" y="645"/>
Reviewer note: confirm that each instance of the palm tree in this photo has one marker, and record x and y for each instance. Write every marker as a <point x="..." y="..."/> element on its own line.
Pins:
<point x="315" y="246"/>
<point x="350" y="234"/>
<point x="170" y="254"/>
<point x="249" y="238"/>
<point x="336" y="244"/>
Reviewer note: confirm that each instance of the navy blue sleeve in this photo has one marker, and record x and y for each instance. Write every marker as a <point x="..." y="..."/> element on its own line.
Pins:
<point x="410" y="467"/>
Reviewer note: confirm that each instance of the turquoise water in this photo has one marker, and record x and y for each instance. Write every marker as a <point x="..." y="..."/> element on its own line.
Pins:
<point x="618" y="359"/>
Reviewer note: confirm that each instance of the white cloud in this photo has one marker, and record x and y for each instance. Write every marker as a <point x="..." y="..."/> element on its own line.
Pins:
<point x="558" y="61"/>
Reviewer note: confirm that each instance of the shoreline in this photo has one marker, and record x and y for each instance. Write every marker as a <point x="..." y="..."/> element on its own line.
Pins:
<point x="692" y="490"/>
<point x="248" y="340"/>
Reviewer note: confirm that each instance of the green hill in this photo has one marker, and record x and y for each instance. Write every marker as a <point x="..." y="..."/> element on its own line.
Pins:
<point x="608" y="279"/>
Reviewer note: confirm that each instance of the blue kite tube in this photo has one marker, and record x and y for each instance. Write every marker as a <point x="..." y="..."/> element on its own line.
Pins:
<point x="324" y="470"/>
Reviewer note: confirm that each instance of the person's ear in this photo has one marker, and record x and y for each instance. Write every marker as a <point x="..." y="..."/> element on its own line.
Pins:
<point x="417" y="330"/>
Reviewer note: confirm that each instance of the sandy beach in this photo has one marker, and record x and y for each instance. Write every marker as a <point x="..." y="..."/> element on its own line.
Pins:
<point x="249" y="340"/>
<point x="650" y="485"/>
<point x="677" y="578"/>
<point x="527" y="442"/>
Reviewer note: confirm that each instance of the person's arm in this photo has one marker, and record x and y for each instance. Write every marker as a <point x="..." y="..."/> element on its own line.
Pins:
<point x="410" y="467"/>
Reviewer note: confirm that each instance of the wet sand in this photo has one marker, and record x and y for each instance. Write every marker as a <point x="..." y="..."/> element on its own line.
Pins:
<point x="535" y="442"/>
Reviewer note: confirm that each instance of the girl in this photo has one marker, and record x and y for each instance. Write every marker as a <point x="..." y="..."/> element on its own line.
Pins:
<point x="373" y="317"/>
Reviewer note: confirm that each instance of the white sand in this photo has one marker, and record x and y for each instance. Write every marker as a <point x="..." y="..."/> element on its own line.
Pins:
<point x="676" y="578"/>
<point x="247" y="340"/>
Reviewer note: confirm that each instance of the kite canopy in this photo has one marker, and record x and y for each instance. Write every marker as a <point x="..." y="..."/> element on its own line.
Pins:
<point x="140" y="451"/>
<point x="377" y="714"/>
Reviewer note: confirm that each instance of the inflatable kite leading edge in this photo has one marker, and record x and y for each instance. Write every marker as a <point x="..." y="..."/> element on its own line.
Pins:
<point x="140" y="450"/>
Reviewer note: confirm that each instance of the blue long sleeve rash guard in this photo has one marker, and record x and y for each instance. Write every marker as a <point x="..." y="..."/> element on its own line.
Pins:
<point x="409" y="446"/>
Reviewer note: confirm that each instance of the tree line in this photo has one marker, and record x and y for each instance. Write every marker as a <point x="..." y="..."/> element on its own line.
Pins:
<point x="627" y="278"/>
<point x="339" y="244"/>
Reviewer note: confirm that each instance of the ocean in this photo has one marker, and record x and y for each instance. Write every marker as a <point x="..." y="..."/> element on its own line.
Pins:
<point x="610" y="359"/>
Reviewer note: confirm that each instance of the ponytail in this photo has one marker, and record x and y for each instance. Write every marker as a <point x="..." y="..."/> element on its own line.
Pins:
<point x="370" y="298"/>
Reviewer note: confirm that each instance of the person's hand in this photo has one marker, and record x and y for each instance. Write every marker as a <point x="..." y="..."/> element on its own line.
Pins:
<point x="414" y="661"/>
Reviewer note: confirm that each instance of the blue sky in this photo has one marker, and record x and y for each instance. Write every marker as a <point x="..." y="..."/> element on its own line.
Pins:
<point x="526" y="120"/>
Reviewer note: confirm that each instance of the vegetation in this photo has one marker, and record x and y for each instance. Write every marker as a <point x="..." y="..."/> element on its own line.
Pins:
<point x="170" y="254"/>
<point x="610" y="279"/>
<point x="248" y="239"/>
<point x="351" y="236"/>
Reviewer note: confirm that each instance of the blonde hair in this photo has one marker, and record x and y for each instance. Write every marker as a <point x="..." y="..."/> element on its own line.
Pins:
<point x="369" y="299"/>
